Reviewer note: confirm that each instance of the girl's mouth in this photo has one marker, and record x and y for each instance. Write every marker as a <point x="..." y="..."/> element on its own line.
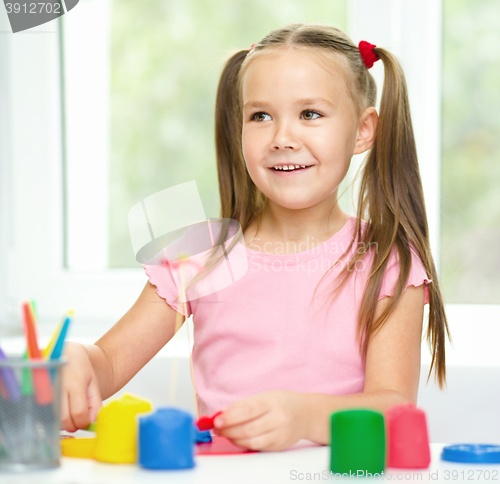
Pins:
<point x="290" y="169"/>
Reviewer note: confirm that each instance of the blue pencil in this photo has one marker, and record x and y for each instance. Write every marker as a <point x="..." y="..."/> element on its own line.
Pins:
<point x="59" y="346"/>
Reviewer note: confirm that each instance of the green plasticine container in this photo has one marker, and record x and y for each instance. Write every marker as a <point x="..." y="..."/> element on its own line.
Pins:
<point x="357" y="442"/>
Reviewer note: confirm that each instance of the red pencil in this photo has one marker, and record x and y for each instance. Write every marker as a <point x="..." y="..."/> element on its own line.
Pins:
<point x="41" y="378"/>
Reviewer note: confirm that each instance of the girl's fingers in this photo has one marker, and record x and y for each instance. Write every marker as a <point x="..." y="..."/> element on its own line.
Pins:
<point x="81" y="396"/>
<point x="241" y="412"/>
<point x="94" y="400"/>
<point x="250" y="428"/>
<point x="79" y="409"/>
<point x="262" y="442"/>
<point x="67" y="421"/>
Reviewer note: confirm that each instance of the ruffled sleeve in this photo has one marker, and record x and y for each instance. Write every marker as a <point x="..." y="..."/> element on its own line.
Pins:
<point x="417" y="277"/>
<point x="160" y="275"/>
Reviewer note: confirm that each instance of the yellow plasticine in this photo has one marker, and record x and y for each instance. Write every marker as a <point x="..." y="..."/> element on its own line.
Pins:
<point x="81" y="448"/>
<point x="116" y="429"/>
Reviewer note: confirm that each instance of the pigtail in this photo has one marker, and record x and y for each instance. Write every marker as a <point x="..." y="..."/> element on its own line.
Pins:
<point x="240" y="199"/>
<point x="391" y="198"/>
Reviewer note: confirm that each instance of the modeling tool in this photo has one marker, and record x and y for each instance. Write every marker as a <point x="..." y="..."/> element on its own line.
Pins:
<point x="205" y="422"/>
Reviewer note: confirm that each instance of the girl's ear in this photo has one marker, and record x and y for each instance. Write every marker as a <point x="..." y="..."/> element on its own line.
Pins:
<point x="367" y="131"/>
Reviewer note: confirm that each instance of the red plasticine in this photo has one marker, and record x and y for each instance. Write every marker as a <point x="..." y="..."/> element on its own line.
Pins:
<point x="407" y="436"/>
<point x="205" y="422"/>
<point x="220" y="445"/>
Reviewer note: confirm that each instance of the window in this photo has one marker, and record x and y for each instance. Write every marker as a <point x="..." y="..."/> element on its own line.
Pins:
<point x="137" y="116"/>
<point x="470" y="195"/>
<point x="164" y="63"/>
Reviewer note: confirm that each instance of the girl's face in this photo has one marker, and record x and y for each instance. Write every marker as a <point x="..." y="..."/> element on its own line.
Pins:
<point x="297" y="112"/>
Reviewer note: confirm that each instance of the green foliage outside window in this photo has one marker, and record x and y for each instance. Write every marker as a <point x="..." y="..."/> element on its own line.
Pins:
<point x="470" y="170"/>
<point x="166" y="58"/>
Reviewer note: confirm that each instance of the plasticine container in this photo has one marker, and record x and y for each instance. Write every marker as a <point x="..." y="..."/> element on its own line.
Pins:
<point x="357" y="445"/>
<point x="167" y="439"/>
<point x="116" y="429"/>
<point x="408" y="437"/>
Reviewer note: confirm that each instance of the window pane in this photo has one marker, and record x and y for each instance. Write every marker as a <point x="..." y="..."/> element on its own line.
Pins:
<point x="470" y="204"/>
<point x="166" y="58"/>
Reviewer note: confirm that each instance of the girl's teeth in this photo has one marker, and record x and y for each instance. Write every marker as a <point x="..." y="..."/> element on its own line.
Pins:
<point x="288" y="167"/>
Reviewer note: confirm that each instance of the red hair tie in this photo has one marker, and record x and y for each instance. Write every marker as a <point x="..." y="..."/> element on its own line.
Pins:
<point x="366" y="50"/>
<point x="251" y="48"/>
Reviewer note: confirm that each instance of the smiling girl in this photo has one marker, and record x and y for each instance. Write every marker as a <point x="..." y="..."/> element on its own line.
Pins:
<point x="330" y="313"/>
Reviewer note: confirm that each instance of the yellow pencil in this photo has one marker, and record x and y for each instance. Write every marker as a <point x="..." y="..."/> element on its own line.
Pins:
<point x="48" y="350"/>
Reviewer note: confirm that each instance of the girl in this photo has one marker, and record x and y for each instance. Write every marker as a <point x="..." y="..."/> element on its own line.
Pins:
<point x="329" y="314"/>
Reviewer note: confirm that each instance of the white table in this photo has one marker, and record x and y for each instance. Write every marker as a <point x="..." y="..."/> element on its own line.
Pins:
<point x="301" y="464"/>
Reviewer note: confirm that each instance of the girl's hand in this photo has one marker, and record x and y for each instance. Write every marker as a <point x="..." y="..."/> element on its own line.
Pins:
<point x="81" y="399"/>
<point x="267" y="421"/>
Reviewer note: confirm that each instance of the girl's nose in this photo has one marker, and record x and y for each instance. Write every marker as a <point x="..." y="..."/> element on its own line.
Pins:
<point x="284" y="138"/>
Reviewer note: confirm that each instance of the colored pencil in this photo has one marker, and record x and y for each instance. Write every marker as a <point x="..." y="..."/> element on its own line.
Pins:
<point x="9" y="380"/>
<point x="57" y="351"/>
<point x="41" y="379"/>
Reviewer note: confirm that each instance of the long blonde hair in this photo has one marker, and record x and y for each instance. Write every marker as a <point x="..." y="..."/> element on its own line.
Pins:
<point x="391" y="200"/>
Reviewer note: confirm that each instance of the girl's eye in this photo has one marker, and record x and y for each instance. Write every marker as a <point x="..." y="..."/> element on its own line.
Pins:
<point x="309" y="115"/>
<point x="260" y="116"/>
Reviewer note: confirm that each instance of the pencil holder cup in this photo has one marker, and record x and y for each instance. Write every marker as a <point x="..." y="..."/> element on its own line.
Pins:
<point x="166" y="439"/>
<point x="30" y="414"/>
<point x="357" y="443"/>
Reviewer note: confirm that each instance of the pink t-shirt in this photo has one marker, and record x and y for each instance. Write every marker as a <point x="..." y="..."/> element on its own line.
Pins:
<point x="263" y="332"/>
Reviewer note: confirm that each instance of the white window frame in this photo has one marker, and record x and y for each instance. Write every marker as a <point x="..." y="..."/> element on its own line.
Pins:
<point x="31" y="152"/>
<point x="412" y="30"/>
<point x="32" y="193"/>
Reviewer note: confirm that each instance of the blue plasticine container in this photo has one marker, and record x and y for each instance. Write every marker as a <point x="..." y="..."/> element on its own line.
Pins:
<point x="166" y="439"/>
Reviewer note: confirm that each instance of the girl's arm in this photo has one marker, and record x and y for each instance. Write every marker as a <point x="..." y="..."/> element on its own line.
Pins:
<point x="392" y="367"/>
<point x="143" y="331"/>
<point x="95" y="372"/>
